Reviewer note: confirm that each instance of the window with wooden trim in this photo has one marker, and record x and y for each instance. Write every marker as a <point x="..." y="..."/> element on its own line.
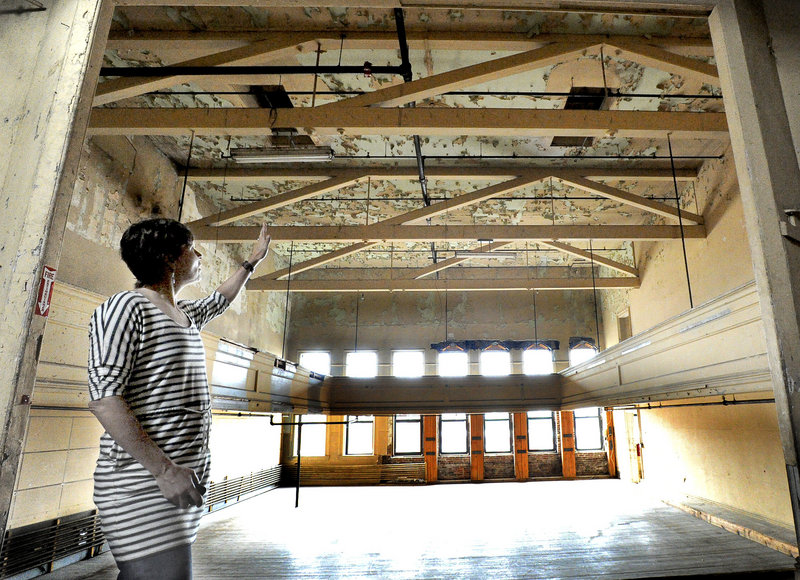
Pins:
<point x="589" y="429"/>
<point x="358" y="435"/>
<point x="316" y="360"/>
<point x="312" y="442"/>
<point x="497" y="433"/>
<point x="408" y="435"/>
<point x="541" y="431"/>
<point x="453" y="434"/>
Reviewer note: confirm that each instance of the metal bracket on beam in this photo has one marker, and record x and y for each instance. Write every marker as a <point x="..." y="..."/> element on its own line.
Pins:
<point x="790" y="228"/>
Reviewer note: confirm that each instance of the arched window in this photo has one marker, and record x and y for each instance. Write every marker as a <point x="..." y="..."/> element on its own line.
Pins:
<point x="581" y="350"/>
<point x="495" y="361"/>
<point x="537" y="359"/>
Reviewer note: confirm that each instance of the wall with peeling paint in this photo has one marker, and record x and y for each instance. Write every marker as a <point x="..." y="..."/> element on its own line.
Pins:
<point x="716" y="264"/>
<point x="123" y="180"/>
<point x="394" y="321"/>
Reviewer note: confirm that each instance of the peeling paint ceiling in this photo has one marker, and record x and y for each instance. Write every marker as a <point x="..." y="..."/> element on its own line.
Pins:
<point x="660" y="78"/>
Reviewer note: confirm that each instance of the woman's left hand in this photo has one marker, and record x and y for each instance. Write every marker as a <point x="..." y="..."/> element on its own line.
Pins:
<point x="261" y="247"/>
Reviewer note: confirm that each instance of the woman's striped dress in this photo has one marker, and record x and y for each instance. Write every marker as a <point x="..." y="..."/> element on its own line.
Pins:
<point x="158" y="367"/>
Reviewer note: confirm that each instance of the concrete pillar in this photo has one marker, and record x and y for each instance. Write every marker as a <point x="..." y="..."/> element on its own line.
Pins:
<point x="769" y="180"/>
<point x="50" y="59"/>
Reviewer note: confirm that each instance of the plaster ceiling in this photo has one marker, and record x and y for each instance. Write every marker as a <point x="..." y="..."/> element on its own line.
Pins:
<point x="657" y="65"/>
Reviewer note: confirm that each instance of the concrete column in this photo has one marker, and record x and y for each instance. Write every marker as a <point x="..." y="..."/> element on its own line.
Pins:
<point x="769" y="180"/>
<point x="50" y="59"/>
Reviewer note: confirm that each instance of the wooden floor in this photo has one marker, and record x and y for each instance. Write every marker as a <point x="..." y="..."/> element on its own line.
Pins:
<point x="545" y="529"/>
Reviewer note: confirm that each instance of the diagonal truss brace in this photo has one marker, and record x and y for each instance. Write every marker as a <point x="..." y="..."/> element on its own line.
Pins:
<point x="613" y="264"/>
<point x="609" y="192"/>
<point x="406" y="218"/>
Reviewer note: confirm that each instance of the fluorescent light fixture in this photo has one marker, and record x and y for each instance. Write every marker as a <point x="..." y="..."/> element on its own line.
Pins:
<point x="281" y="154"/>
<point x="499" y="255"/>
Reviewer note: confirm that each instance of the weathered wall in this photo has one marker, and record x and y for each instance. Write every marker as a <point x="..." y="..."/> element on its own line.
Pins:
<point x="396" y="321"/>
<point x="727" y="454"/>
<point x="730" y="455"/>
<point x="123" y="180"/>
<point x="718" y="263"/>
<point x="45" y="57"/>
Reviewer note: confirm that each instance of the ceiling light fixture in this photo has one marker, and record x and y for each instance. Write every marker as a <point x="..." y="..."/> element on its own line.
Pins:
<point x="281" y="155"/>
<point x="500" y="255"/>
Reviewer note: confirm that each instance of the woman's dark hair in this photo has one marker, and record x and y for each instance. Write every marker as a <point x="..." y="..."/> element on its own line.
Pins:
<point x="147" y="247"/>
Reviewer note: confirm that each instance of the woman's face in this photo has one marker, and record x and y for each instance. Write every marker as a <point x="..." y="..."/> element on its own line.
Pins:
<point x="187" y="266"/>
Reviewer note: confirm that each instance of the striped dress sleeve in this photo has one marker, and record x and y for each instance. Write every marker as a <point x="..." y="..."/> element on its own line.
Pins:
<point x="206" y="309"/>
<point x="114" y="331"/>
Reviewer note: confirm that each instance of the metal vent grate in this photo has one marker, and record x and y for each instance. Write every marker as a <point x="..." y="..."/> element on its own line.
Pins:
<point x="40" y="545"/>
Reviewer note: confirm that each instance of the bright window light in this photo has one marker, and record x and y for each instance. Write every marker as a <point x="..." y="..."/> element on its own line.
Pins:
<point x="453" y="433"/>
<point x="495" y="363"/>
<point x="541" y="431"/>
<point x="588" y="429"/>
<point x="363" y="363"/>
<point x="537" y="361"/>
<point x="317" y="361"/>
<point x="579" y="355"/>
<point x="230" y="366"/>
<point x="358" y="435"/>
<point x="496" y="433"/>
<point x="313" y="439"/>
<point x="453" y="364"/>
<point x="408" y="363"/>
<point x="408" y="434"/>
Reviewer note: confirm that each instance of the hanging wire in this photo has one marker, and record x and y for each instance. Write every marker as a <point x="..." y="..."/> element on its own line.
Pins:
<point x="369" y="185"/>
<point x="316" y="76"/>
<point x="358" y="302"/>
<point x="680" y="221"/>
<point x="286" y="310"/>
<point x="185" y="177"/>
<point x="533" y="296"/>
<point x="603" y="68"/>
<point x="594" y="293"/>
<point x="224" y="191"/>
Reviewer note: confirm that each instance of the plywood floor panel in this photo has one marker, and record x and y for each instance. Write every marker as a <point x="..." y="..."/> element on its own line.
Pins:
<point x="561" y="529"/>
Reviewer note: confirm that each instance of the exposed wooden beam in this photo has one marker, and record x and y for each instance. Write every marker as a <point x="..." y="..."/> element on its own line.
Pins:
<point x="401" y="233"/>
<point x="326" y="258"/>
<point x="652" y="56"/>
<point x="603" y="190"/>
<point x="399" y="95"/>
<point x="674" y="8"/>
<point x="572" y="250"/>
<point x="411" y="121"/>
<point x="330" y="40"/>
<point x="280" y="200"/>
<point x="304" y="173"/>
<point x="418" y="273"/>
<point x="415" y="215"/>
<point x="460" y="201"/>
<point x="277" y="45"/>
<point x="468" y="285"/>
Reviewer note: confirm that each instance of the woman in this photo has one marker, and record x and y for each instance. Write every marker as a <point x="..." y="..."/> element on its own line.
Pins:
<point x="149" y="390"/>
